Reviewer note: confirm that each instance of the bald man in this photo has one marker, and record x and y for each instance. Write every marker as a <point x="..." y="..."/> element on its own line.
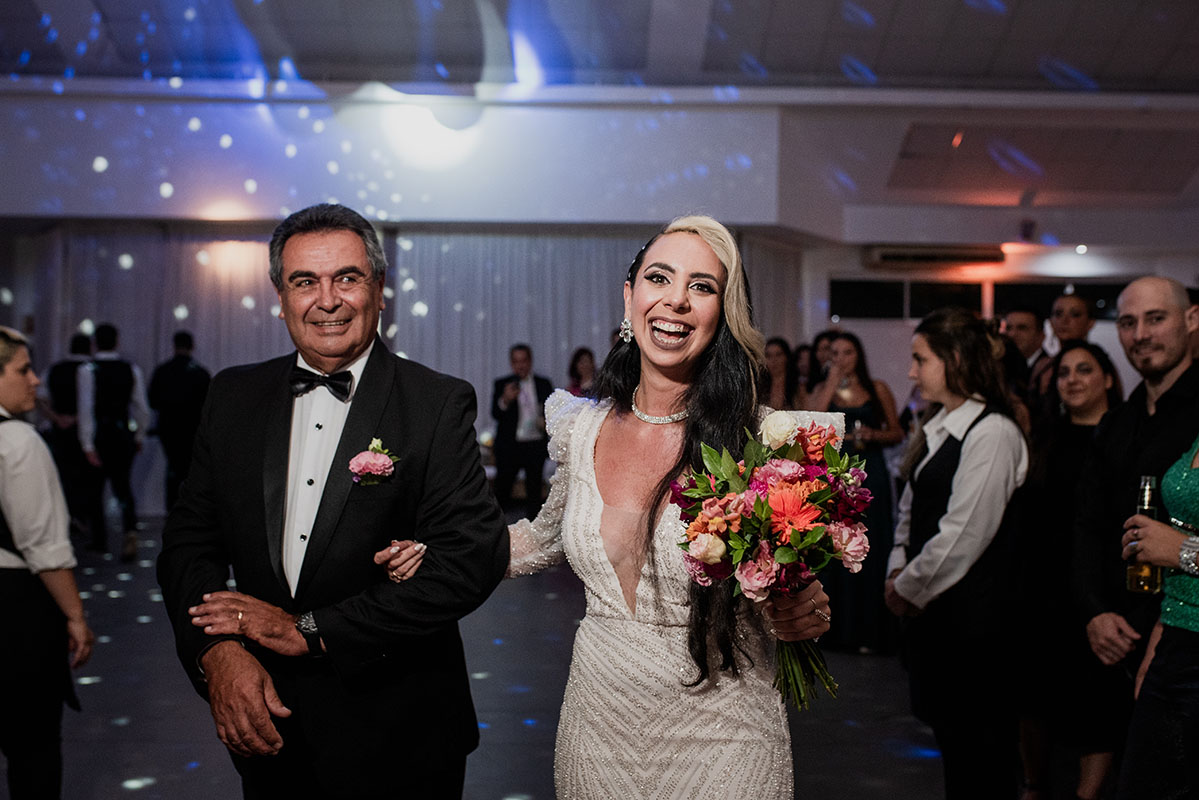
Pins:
<point x="1143" y="437"/>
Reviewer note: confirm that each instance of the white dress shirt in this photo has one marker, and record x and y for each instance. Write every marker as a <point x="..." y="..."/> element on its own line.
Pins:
<point x="528" y="423"/>
<point x="32" y="501"/>
<point x="317" y="419"/>
<point x="85" y="394"/>
<point x="994" y="462"/>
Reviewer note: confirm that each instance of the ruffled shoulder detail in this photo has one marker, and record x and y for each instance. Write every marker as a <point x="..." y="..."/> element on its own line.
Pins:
<point x="562" y="410"/>
<point x="805" y="418"/>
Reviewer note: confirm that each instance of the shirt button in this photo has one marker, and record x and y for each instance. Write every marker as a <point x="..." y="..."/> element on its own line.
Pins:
<point x="311" y="481"/>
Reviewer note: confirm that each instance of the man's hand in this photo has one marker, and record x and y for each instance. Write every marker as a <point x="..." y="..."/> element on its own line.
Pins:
<point x="79" y="641"/>
<point x="239" y="614"/>
<point x="242" y="698"/>
<point x="1111" y="637"/>
<point x="93" y="458"/>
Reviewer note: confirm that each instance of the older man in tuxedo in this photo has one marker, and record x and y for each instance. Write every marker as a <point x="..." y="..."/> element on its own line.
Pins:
<point x="322" y="674"/>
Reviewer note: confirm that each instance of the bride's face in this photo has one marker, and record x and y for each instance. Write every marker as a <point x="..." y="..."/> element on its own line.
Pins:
<point x="674" y="303"/>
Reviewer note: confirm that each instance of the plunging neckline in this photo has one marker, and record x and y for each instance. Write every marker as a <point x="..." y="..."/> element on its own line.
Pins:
<point x="603" y="543"/>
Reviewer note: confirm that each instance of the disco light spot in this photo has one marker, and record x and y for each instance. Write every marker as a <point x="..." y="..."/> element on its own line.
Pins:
<point x="996" y="7"/>
<point x="6" y="296"/>
<point x="189" y="14"/>
<point x="751" y="66"/>
<point x="125" y="261"/>
<point x="115" y="594"/>
<point x="396" y="197"/>
<point x="497" y="641"/>
<point x="290" y="151"/>
<point x="194" y="124"/>
<point x="57" y="87"/>
<point x="80" y="48"/>
<point x="420" y="309"/>
<point x="333" y="167"/>
<point x="346" y="146"/>
<point x="52" y="35"/>
<point x="276" y="310"/>
<point x="105" y="639"/>
<point x="857" y="16"/>
<point x="203" y="257"/>
<point x="248" y="303"/>
<point x="303" y="112"/>
<point x="175" y="82"/>
<point x="1065" y="76"/>
<point x="458" y="307"/>
<point x="484" y="726"/>
<point x="226" y="141"/>
<point x="87" y="680"/>
<point x="1012" y="160"/>
<point x="251" y="185"/>
<point x="408" y="285"/>
<point x="388" y="292"/>
<point x="405" y="244"/>
<point x="441" y="70"/>
<point x="857" y="72"/>
<point x="119" y="722"/>
<point x="318" y="126"/>
<point x="180" y="312"/>
<point x="99" y="164"/>
<point x="392" y="330"/>
<point x="166" y="190"/>
<point x="145" y="619"/>
<point x="529" y="723"/>
<point x="134" y="784"/>
<point x="87" y="327"/>
<point x="23" y="59"/>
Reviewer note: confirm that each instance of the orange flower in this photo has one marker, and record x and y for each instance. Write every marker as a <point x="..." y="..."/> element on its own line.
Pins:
<point x="790" y="509"/>
<point x="814" y="438"/>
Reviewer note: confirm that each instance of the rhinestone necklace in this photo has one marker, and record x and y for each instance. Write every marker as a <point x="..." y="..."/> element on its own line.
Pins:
<point x="678" y="416"/>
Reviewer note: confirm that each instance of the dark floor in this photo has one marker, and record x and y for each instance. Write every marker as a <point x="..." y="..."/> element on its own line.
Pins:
<point x="144" y="733"/>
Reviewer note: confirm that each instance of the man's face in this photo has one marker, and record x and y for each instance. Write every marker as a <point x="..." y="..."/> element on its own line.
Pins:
<point x="1154" y="331"/>
<point x="329" y="302"/>
<point x="1022" y="327"/>
<point x="18" y="384"/>
<point x="522" y="363"/>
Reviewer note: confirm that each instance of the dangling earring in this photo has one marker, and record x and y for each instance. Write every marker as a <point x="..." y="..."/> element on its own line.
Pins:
<point x="626" y="330"/>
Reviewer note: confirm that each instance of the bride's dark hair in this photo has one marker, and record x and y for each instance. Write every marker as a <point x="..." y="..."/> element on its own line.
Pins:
<point x="721" y="403"/>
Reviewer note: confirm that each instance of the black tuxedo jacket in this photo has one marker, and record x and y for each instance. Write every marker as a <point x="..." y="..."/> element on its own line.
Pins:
<point x="507" y="419"/>
<point x="394" y="668"/>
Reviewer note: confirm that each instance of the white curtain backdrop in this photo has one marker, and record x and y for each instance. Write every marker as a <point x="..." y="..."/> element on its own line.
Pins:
<point x="456" y="301"/>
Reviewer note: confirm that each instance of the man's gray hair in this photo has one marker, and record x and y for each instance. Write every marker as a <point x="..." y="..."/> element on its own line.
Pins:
<point x="320" y="219"/>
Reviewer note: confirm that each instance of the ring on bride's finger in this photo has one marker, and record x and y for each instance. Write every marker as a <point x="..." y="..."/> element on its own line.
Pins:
<point x="822" y="615"/>
<point x="815" y="607"/>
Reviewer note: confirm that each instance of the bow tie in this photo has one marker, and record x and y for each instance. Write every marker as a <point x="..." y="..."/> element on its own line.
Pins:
<point x="303" y="381"/>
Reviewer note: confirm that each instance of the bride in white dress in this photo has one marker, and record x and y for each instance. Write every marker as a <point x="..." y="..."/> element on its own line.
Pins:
<point x="670" y="692"/>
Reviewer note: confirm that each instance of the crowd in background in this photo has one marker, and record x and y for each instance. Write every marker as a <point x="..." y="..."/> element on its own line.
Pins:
<point x="1001" y="491"/>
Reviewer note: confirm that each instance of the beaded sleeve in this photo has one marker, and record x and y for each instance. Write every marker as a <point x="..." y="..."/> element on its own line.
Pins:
<point x="537" y="544"/>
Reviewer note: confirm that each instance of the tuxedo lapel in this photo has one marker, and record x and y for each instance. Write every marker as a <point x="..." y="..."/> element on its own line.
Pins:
<point x="362" y="425"/>
<point x="276" y="446"/>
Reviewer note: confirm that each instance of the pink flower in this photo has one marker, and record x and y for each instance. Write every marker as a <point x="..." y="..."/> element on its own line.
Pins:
<point x="756" y="576"/>
<point x="368" y="463"/>
<point x="706" y="574"/>
<point x="777" y="470"/>
<point x="850" y="543"/>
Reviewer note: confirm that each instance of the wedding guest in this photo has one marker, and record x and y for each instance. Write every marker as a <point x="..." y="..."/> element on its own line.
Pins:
<point x="802" y="358"/>
<point x="778" y="384"/>
<point x="1015" y="380"/>
<point x="952" y="561"/>
<point x="520" y="437"/>
<point x="822" y="353"/>
<point x="1063" y="690"/>
<point x="1026" y="327"/>
<point x="45" y="631"/>
<point x="1155" y="323"/>
<point x="113" y="420"/>
<point x="670" y="693"/>
<point x="1144" y="436"/>
<point x="1071" y="317"/>
<point x="177" y="391"/>
<point x="871" y="423"/>
<point x="58" y="398"/>
<point x="581" y="372"/>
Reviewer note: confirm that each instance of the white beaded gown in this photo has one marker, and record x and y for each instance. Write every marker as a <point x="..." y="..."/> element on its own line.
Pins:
<point x="629" y="727"/>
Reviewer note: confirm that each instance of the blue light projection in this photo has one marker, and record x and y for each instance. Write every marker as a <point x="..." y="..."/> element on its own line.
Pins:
<point x="997" y="7"/>
<point x="857" y="16"/>
<point x="1065" y="76"/>
<point x="854" y="69"/>
<point x="1012" y="160"/>
<point x="751" y="66"/>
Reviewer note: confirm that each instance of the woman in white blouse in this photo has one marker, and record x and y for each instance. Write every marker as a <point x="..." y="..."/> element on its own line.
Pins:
<point x="951" y="569"/>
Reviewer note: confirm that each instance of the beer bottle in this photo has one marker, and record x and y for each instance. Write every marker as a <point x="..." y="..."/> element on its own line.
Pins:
<point x="1145" y="578"/>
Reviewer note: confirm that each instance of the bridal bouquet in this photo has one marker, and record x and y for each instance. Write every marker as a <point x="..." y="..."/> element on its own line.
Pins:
<point x="770" y="521"/>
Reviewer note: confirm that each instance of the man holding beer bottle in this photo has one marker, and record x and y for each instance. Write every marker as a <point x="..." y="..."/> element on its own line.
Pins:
<point x="1141" y="438"/>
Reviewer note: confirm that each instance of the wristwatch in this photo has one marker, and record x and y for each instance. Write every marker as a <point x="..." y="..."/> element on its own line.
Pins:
<point x="306" y="625"/>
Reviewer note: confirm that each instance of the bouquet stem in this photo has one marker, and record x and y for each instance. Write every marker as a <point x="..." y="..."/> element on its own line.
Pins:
<point x="800" y="665"/>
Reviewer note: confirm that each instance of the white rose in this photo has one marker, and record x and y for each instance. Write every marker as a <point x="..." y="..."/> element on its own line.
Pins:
<point x="708" y="548"/>
<point x="778" y="429"/>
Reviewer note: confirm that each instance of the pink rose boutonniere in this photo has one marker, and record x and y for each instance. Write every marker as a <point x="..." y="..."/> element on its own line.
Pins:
<point x="373" y="464"/>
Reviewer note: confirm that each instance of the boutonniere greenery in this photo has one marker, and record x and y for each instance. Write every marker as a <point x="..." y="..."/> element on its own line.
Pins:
<point x="373" y="464"/>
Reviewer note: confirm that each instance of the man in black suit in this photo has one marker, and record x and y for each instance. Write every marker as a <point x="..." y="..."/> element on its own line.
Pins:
<point x="323" y="676"/>
<point x="518" y="405"/>
<point x="177" y="391"/>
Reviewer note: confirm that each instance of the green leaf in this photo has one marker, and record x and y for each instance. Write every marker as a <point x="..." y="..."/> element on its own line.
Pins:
<point x="786" y="555"/>
<point x="711" y="459"/>
<point x="809" y="538"/>
<point x="728" y="466"/>
<point x="830" y="453"/>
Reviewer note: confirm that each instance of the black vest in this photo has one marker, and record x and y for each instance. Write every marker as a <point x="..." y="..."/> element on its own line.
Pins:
<point x="61" y="384"/>
<point x="6" y="540"/>
<point x="976" y="602"/>
<point x="114" y="390"/>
